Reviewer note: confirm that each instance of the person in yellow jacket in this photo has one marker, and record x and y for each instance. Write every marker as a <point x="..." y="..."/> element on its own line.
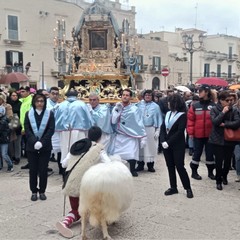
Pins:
<point x="26" y="99"/>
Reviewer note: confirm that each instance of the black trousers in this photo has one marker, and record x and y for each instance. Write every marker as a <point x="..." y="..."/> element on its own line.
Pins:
<point x="175" y="160"/>
<point x="199" y="144"/>
<point x="38" y="164"/>
<point x="223" y="156"/>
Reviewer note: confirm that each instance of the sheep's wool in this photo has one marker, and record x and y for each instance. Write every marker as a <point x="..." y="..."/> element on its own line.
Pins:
<point x="109" y="194"/>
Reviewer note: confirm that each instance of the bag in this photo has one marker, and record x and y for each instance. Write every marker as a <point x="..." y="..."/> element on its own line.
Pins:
<point x="232" y="135"/>
<point x="67" y="173"/>
<point x="15" y="122"/>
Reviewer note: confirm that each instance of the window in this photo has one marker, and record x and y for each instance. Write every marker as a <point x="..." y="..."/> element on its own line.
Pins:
<point x="230" y="52"/>
<point x="229" y="71"/>
<point x="219" y="70"/>
<point x="206" y="70"/>
<point x="179" y="78"/>
<point x="14" y="61"/>
<point x="140" y="61"/>
<point x="156" y="63"/>
<point x="12" y="27"/>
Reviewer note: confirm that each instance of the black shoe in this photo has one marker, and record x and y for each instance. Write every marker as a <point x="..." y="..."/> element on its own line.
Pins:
<point x="219" y="186"/>
<point x="150" y="166"/>
<point x="16" y="161"/>
<point x="189" y="193"/>
<point x="171" y="191"/>
<point x="151" y="170"/>
<point x="225" y="181"/>
<point x="196" y="176"/>
<point x="50" y="173"/>
<point x="42" y="196"/>
<point x="140" y="166"/>
<point x="34" y="197"/>
<point x="211" y="176"/>
<point x="134" y="174"/>
<point x="25" y="166"/>
<point x="52" y="159"/>
<point x="190" y="151"/>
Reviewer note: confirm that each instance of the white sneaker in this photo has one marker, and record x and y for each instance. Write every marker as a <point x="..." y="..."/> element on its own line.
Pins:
<point x="237" y="178"/>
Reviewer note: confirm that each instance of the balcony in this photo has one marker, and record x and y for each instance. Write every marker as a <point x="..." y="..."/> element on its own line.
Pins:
<point x="140" y="68"/>
<point x="210" y="55"/>
<point x="232" y="58"/>
<point x="13" y="42"/>
<point x="9" y="69"/>
<point x="221" y="56"/>
<point x="155" y="70"/>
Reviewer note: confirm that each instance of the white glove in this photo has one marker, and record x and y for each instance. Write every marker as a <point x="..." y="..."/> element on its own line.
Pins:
<point x="143" y="142"/>
<point x="37" y="145"/>
<point x="118" y="106"/>
<point x="104" y="157"/>
<point x="156" y="134"/>
<point x="89" y="107"/>
<point x="165" y="145"/>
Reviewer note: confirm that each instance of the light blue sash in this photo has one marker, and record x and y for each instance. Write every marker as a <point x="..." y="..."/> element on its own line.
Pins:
<point x="38" y="132"/>
<point x="169" y="122"/>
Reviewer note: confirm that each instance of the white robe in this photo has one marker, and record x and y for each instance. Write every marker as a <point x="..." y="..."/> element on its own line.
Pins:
<point x="126" y="147"/>
<point x="56" y="137"/>
<point x="67" y="138"/>
<point x="105" y="140"/>
<point x="149" y="152"/>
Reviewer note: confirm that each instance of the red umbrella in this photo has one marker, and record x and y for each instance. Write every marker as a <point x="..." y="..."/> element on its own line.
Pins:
<point x="212" y="81"/>
<point x="14" y="77"/>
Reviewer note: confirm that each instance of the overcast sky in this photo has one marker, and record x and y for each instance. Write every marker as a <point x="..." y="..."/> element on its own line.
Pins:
<point x="212" y="16"/>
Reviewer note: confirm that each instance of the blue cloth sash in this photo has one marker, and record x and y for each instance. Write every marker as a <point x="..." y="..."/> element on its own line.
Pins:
<point x="38" y="132"/>
<point x="169" y="122"/>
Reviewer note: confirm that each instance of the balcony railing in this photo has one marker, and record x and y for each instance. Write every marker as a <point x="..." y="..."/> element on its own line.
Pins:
<point x="210" y="55"/>
<point x="9" y="69"/>
<point x="221" y="56"/>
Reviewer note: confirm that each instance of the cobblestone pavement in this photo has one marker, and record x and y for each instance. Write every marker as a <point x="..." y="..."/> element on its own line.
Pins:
<point x="211" y="214"/>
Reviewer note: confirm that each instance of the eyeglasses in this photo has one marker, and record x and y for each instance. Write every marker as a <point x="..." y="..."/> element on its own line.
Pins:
<point x="54" y="93"/>
<point x="40" y="101"/>
<point x="227" y="100"/>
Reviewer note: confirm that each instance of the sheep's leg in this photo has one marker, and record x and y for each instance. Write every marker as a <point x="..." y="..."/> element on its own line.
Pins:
<point x="84" y="223"/>
<point x="105" y="230"/>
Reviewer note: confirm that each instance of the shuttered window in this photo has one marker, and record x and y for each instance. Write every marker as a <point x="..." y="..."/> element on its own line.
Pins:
<point x="12" y="27"/>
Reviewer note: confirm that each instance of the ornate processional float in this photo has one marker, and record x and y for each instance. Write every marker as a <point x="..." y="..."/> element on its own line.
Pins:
<point x="103" y="57"/>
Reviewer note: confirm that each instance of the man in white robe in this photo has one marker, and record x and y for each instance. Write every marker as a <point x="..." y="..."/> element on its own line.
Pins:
<point x="73" y="120"/>
<point x="52" y="104"/>
<point x="102" y="118"/>
<point x="129" y="129"/>
<point x="152" y="120"/>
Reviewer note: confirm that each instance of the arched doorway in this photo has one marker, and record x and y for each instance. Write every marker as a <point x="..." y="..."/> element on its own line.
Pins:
<point x="139" y="82"/>
<point x="155" y="83"/>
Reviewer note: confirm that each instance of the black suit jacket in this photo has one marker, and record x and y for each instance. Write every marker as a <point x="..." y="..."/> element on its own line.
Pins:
<point x="46" y="138"/>
<point x="176" y="136"/>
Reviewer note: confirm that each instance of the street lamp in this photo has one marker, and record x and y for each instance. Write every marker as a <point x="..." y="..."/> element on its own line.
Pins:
<point x="60" y="46"/>
<point x="189" y="47"/>
<point x="130" y="49"/>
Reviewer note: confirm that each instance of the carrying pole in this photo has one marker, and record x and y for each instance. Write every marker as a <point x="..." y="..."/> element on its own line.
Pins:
<point x="69" y="141"/>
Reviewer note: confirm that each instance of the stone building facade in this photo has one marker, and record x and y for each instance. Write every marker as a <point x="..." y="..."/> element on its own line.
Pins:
<point x="26" y="44"/>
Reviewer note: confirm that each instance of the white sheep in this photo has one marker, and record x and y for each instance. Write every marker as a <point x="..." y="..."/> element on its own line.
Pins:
<point x="106" y="191"/>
